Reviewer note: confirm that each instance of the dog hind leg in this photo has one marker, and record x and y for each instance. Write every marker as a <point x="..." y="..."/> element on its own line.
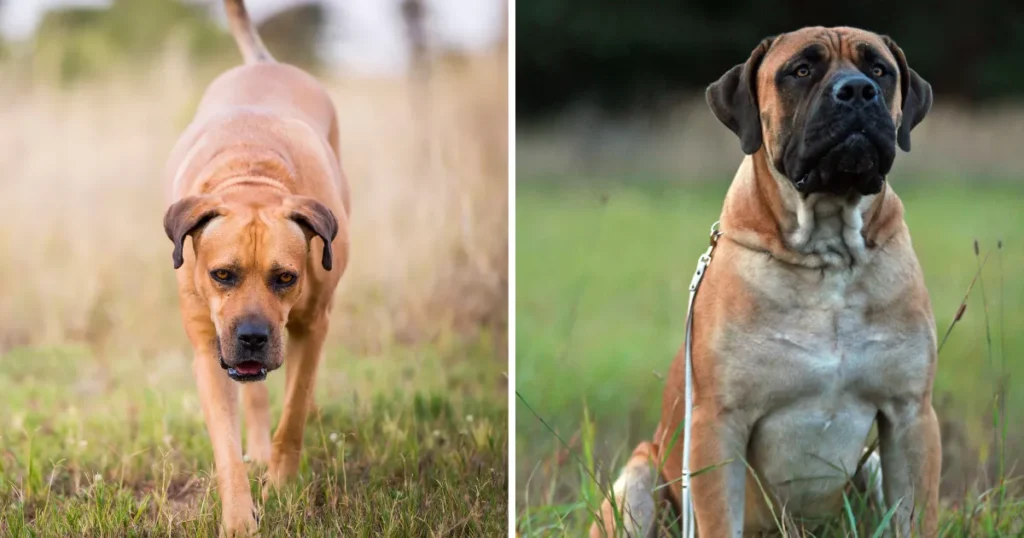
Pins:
<point x="256" y="403"/>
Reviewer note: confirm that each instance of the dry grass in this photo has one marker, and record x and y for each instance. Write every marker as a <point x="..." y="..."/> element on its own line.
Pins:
<point x="83" y="256"/>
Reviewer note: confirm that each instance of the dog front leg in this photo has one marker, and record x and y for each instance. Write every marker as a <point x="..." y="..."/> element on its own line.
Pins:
<point x="718" y="451"/>
<point x="911" y="463"/>
<point x="305" y="343"/>
<point x="219" y="398"/>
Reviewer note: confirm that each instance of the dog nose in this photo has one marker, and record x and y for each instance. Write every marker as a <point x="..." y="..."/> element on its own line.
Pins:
<point x="856" y="91"/>
<point x="253" y="336"/>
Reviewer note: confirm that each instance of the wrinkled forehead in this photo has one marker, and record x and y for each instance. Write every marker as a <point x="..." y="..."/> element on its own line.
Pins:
<point x="835" y="45"/>
<point x="252" y="237"/>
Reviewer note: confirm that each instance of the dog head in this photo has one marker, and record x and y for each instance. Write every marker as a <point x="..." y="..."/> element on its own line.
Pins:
<point x="829" y="105"/>
<point x="250" y="266"/>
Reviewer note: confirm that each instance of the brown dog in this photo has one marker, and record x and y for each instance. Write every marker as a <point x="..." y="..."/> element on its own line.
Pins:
<point x="812" y="322"/>
<point x="257" y="185"/>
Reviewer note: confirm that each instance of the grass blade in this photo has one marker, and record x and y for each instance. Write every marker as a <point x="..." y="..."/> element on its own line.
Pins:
<point x="963" y="303"/>
<point x="984" y="303"/>
<point x="849" y="515"/>
<point x="885" y="520"/>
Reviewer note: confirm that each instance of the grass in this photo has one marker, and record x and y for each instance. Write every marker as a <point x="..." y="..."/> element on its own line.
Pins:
<point x="408" y="443"/>
<point x="101" y="432"/>
<point x="602" y="276"/>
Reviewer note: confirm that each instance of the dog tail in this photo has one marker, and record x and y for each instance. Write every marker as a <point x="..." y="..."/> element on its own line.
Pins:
<point x="249" y="42"/>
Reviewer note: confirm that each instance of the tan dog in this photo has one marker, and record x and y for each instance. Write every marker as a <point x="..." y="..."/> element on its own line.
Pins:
<point x="812" y="322"/>
<point x="257" y="185"/>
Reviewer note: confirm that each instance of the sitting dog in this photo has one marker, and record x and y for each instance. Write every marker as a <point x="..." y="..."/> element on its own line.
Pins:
<point x="812" y="322"/>
<point x="256" y="183"/>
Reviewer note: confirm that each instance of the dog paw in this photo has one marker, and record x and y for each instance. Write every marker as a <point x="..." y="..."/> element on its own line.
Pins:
<point x="284" y="466"/>
<point x="239" y="516"/>
<point x="633" y="511"/>
<point x="240" y="526"/>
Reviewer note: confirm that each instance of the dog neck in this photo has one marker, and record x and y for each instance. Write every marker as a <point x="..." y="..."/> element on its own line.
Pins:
<point x="217" y="170"/>
<point x="764" y="211"/>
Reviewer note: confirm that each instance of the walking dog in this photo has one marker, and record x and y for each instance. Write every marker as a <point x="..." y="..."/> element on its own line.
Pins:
<point x="812" y="322"/>
<point x="257" y="185"/>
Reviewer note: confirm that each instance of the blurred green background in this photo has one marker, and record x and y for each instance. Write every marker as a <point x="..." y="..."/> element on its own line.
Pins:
<point x="621" y="169"/>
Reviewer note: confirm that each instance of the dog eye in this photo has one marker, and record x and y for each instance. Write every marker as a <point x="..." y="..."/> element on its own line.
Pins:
<point x="803" y="71"/>
<point x="223" y="276"/>
<point x="878" y="71"/>
<point x="285" y="279"/>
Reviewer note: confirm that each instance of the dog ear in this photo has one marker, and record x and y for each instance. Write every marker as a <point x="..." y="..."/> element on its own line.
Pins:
<point x="733" y="99"/>
<point x="315" y="219"/>
<point x="916" y="95"/>
<point x="187" y="217"/>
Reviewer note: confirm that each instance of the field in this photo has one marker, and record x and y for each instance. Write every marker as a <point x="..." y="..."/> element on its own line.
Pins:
<point x="602" y="276"/>
<point x="101" y="432"/>
<point x="406" y="443"/>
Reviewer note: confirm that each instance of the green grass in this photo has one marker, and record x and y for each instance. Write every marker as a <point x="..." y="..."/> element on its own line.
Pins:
<point x="602" y="276"/>
<point x="410" y="442"/>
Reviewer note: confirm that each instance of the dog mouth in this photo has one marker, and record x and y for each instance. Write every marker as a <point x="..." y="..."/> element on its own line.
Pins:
<point x="245" y="371"/>
<point x="247" y="366"/>
<point x="853" y="164"/>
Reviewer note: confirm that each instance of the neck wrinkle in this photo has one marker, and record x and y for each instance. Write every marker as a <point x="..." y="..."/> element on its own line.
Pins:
<point x="756" y="216"/>
<point x="230" y="184"/>
<point x="768" y="191"/>
<point x="239" y="165"/>
<point x="884" y="219"/>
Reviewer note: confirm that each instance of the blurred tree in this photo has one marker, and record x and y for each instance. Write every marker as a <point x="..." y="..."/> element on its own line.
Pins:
<point x="80" y="42"/>
<point x="413" y="16"/>
<point x="620" y="55"/>
<point x="292" y="35"/>
<point x="77" y="42"/>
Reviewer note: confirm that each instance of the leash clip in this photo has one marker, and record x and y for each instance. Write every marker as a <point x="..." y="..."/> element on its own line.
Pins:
<point x="716" y="232"/>
<point x="705" y="259"/>
<point x="702" y="265"/>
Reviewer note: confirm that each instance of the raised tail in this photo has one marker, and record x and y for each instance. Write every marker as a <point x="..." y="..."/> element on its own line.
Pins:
<point x="249" y="42"/>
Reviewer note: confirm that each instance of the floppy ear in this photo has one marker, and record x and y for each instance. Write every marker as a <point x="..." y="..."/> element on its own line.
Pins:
<point x="733" y="99"/>
<point x="916" y="95"/>
<point x="186" y="217"/>
<point x="315" y="219"/>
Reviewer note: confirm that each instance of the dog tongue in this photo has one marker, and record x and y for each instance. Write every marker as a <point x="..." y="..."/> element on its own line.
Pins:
<point x="249" y="368"/>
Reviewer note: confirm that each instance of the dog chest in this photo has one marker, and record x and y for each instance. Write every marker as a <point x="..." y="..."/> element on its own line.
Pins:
<point x="809" y="370"/>
<point x="822" y="335"/>
<point x="821" y="354"/>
